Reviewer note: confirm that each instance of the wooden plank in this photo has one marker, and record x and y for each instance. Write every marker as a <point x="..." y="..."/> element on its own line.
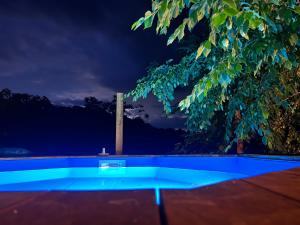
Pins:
<point x="233" y="202"/>
<point x="286" y="182"/>
<point x="119" y="123"/>
<point x="8" y="199"/>
<point x="295" y="171"/>
<point x="85" y="208"/>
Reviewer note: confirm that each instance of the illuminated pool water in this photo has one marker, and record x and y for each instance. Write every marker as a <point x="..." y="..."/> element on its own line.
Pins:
<point x="110" y="178"/>
<point x="131" y="173"/>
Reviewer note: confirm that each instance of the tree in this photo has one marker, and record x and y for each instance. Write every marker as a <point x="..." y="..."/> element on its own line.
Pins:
<point x="249" y="65"/>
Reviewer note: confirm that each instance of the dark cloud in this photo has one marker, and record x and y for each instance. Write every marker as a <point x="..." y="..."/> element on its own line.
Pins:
<point x="69" y="49"/>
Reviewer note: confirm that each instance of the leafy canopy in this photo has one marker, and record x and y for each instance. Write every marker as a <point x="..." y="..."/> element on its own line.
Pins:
<point x="248" y="64"/>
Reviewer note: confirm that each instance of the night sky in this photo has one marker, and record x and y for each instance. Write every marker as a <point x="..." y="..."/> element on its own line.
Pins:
<point x="71" y="49"/>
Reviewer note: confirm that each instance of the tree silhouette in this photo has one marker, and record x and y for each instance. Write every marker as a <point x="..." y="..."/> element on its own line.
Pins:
<point x="33" y="123"/>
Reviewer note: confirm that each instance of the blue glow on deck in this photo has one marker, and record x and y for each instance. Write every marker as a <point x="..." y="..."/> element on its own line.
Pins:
<point x="157" y="196"/>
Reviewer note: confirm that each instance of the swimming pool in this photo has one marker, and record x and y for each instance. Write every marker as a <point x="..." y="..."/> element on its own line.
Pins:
<point x="131" y="173"/>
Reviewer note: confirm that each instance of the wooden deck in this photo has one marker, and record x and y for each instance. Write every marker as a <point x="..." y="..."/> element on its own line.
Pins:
<point x="271" y="199"/>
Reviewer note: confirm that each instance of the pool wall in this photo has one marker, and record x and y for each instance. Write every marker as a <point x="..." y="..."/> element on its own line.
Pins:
<point x="234" y="164"/>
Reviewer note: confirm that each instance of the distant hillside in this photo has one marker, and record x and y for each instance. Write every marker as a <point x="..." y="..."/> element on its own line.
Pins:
<point x="34" y="124"/>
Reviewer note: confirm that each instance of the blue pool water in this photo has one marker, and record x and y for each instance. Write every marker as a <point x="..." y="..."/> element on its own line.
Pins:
<point x="123" y="178"/>
<point x="130" y="173"/>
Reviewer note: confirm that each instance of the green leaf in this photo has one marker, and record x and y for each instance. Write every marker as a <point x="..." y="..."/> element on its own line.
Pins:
<point x="244" y="31"/>
<point x="181" y="31"/>
<point x="204" y="49"/>
<point x="187" y="3"/>
<point x="229" y="24"/>
<point x="244" y="35"/>
<point x="231" y="11"/>
<point x="207" y="46"/>
<point x="178" y="33"/>
<point x="297" y="10"/>
<point x="254" y="23"/>
<point x="230" y="3"/>
<point x="212" y="37"/>
<point x="148" y="19"/>
<point x="276" y="2"/>
<point x="271" y="25"/>
<point x="265" y="114"/>
<point x="200" y="51"/>
<point x="224" y="80"/>
<point x="218" y="19"/>
<point x="191" y="23"/>
<point x="238" y="68"/>
<point x="260" y="132"/>
<point x="172" y="38"/>
<point x="283" y="54"/>
<point x="264" y="140"/>
<point x="225" y="43"/>
<point x="206" y="52"/>
<point x="137" y="24"/>
<point x="293" y="39"/>
<point x="200" y="14"/>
